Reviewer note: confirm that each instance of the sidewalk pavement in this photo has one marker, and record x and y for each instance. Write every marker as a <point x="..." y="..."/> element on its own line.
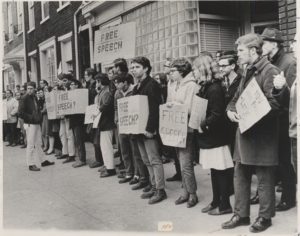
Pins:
<point x="65" y="198"/>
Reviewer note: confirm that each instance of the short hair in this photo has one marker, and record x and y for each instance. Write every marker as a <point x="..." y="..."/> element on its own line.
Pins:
<point x="90" y="71"/>
<point x="122" y="64"/>
<point x="67" y="76"/>
<point x="103" y="78"/>
<point x="162" y="78"/>
<point x="183" y="66"/>
<point x="44" y="81"/>
<point x="39" y="89"/>
<point x="31" y="83"/>
<point x="17" y="86"/>
<point x="232" y="58"/>
<point x="251" y="41"/>
<point x="124" y="77"/>
<point x="75" y="81"/>
<point x="144" y="61"/>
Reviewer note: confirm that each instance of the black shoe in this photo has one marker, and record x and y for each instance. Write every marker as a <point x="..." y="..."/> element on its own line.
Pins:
<point x="125" y="180"/>
<point x="120" y="166"/>
<point x="47" y="163"/>
<point x="236" y="221"/>
<point x="149" y="194"/>
<point x="176" y="177"/>
<point x="13" y="145"/>
<point x="62" y="157"/>
<point x="208" y="208"/>
<point x="69" y="159"/>
<point x="50" y="153"/>
<point x="181" y="200"/>
<point x="192" y="202"/>
<point x="34" y="168"/>
<point x="147" y="188"/>
<point x="254" y="200"/>
<point x="261" y="224"/>
<point x="23" y="146"/>
<point x="78" y="164"/>
<point x="283" y="206"/>
<point x="160" y="194"/>
<point x="139" y="185"/>
<point x="217" y="211"/>
<point x="134" y="180"/>
<point x="108" y="173"/>
<point x="95" y="164"/>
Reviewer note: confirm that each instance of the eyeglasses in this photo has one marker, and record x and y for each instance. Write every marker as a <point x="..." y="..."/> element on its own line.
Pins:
<point x="173" y="70"/>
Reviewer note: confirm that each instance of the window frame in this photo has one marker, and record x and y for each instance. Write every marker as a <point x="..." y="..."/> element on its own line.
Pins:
<point x="31" y="16"/>
<point x="63" y="6"/>
<point x="45" y="18"/>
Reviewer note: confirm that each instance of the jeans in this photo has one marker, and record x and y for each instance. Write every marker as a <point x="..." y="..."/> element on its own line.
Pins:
<point x="126" y="151"/>
<point x="149" y="150"/>
<point x="186" y="158"/>
<point x="140" y="168"/>
<point x="266" y="189"/>
<point x="79" y="142"/>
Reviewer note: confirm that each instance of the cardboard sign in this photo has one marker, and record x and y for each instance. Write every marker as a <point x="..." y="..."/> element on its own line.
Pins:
<point x="198" y="113"/>
<point x="72" y="102"/>
<point x="173" y="125"/>
<point x="51" y="105"/>
<point x="90" y="113"/>
<point x="251" y="106"/>
<point x="115" y="42"/>
<point x="4" y="110"/>
<point x="133" y="114"/>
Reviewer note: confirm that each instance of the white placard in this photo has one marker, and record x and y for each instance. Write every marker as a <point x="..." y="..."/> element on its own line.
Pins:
<point x="198" y="113"/>
<point x="251" y="106"/>
<point x="91" y="113"/>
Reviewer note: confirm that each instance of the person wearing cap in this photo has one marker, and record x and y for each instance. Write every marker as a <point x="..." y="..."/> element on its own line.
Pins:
<point x="105" y="102"/>
<point x="76" y="122"/>
<point x="273" y="48"/>
<point x="288" y="98"/>
<point x="256" y="149"/>
<point x="229" y="72"/>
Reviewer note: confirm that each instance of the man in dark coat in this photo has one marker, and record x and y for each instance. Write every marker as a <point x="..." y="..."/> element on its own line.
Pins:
<point x="257" y="148"/>
<point x="273" y="48"/>
<point x="30" y="113"/>
<point x="148" y="142"/>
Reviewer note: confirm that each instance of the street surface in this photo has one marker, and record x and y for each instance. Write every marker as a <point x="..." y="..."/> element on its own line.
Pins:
<point x="61" y="197"/>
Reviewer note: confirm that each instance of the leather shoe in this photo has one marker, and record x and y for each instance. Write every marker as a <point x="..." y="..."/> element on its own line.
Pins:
<point x="261" y="224"/>
<point x="149" y="194"/>
<point x="181" y="200"/>
<point x="23" y="146"/>
<point x="13" y="145"/>
<point x="34" y="168"/>
<point x="147" y="188"/>
<point x="125" y="180"/>
<point x="208" y="208"/>
<point x="95" y="164"/>
<point x="134" y="180"/>
<point x="139" y="185"/>
<point x="50" y="153"/>
<point x="69" y="159"/>
<point x="254" y="200"/>
<point x="217" y="212"/>
<point x="159" y="195"/>
<point x="283" y="206"/>
<point x="62" y="157"/>
<point x="192" y="202"/>
<point x="236" y="221"/>
<point x="176" y="177"/>
<point x="47" y="163"/>
<point x="78" y="164"/>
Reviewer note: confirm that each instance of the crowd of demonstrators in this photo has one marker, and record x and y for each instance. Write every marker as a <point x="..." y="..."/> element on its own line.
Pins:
<point x="268" y="146"/>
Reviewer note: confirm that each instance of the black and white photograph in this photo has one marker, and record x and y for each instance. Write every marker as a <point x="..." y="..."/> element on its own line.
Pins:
<point x="149" y="117"/>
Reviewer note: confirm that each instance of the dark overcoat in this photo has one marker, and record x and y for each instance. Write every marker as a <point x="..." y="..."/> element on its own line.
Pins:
<point x="259" y="145"/>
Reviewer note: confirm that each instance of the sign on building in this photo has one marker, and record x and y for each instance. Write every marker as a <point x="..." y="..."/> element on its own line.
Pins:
<point x="114" y="42"/>
<point x="133" y="114"/>
<point x="173" y="124"/>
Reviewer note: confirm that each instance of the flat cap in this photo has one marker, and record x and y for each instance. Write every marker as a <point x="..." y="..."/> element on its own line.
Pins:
<point x="273" y="35"/>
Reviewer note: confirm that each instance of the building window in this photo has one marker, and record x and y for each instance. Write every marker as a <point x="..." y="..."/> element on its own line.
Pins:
<point x="19" y="17"/>
<point x="165" y="29"/>
<point x="66" y="56"/>
<point x="10" y="22"/>
<point x="33" y="65"/>
<point x="31" y="14"/>
<point x="45" y="10"/>
<point x="62" y="5"/>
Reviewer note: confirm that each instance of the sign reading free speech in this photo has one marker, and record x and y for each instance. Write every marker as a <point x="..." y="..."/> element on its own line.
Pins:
<point x="115" y="42"/>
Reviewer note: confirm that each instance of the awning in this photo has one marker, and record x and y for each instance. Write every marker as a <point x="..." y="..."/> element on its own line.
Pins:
<point x="15" y="55"/>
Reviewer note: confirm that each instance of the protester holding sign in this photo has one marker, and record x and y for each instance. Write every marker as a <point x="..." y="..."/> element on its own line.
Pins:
<point x="77" y="126"/>
<point x="213" y="142"/>
<point x="257" y="148"/>
<point x="105" y="101"/>
<point x="186" y="88"/>
<point x="29" y="112"/>
<point x="148" y="144"/>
